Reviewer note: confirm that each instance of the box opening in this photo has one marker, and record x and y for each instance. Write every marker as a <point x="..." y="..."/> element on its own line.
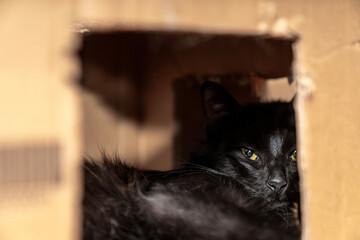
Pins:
<point x="142" y="99"/>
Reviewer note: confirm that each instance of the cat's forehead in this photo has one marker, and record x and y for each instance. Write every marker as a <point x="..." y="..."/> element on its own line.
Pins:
<point x="276" y="142"/>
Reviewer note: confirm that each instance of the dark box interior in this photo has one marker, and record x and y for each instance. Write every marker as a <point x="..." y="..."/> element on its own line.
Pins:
<point x="153" y="78"/>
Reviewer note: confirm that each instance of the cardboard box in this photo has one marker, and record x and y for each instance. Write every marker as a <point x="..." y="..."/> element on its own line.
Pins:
<point x="61" y="105"/>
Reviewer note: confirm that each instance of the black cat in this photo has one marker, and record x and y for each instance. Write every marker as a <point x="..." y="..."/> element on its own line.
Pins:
<point x="240" y="184"/>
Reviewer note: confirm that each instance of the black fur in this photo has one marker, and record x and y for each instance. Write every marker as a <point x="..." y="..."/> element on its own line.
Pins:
<point x="220" y="194"/>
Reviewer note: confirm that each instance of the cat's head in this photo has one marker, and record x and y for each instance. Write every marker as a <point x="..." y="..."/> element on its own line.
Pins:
<point x="255" y="144"/>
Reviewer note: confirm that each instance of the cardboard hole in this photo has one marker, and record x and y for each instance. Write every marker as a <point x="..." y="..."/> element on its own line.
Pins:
<point x="140" y="89"/>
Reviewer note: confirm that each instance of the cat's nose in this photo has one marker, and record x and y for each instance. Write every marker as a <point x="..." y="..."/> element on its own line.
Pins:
<point x="277" y="182"/>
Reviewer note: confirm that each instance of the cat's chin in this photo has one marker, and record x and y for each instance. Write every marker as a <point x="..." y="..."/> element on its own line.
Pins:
<point x="277" y="201"/>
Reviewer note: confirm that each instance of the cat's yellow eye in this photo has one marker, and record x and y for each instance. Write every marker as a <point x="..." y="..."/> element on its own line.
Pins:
<point x="248" y="153"/>
<point x="293" y="156"/>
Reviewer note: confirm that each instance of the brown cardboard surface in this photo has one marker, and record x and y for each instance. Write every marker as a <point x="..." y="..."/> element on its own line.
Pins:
<point x="328" y="113"/>
<point x="332" y="124"/>
<point x="225" y="15"/>
<point x="38" y="103"/>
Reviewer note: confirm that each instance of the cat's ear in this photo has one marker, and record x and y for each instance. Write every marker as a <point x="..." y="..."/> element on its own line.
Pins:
<point x="217" y="102"/>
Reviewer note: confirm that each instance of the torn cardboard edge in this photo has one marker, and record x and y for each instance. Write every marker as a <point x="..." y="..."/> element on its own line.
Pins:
<point x="103" y="27"/>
